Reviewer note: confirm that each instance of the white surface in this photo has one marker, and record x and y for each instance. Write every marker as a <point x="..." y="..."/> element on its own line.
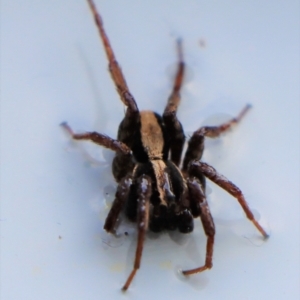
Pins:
<point x="53" y="69"/>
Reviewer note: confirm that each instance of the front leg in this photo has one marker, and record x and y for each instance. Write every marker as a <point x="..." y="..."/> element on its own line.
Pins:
<point x="201" y="208"/>
<point x="144" y="194"/>
<point x="118" y="204"/>
<point x="198" y="168"/>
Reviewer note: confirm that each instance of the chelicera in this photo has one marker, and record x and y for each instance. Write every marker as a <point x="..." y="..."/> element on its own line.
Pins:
<point x="155" y="189"/>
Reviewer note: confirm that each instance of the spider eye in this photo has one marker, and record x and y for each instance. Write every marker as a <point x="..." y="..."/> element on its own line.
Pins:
<point x="185" y="221"/>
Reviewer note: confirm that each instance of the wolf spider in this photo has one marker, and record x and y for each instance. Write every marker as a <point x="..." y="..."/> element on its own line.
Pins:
<point x="153" y="190"/>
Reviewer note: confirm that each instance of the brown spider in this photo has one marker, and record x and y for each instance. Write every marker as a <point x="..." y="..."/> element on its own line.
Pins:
<point x="152" y="190"/>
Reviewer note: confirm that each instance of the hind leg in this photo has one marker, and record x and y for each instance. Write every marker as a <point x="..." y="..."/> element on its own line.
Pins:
<point x="114" y="68"/>
<point x="173" y="126"/>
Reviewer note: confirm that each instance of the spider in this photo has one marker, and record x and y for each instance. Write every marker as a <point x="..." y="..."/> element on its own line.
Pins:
<point x="153" y="190"/>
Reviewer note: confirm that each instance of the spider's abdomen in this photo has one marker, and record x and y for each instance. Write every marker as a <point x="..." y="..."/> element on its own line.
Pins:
<point x="152" y="135"/>
<point x="145" y="135"/>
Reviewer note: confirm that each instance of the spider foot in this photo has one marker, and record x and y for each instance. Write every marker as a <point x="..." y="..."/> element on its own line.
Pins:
<point x="196" y="270"/>
<point x="67" y="128"/>
<point x="260" y="229"/>
<point x="128" y="281"/>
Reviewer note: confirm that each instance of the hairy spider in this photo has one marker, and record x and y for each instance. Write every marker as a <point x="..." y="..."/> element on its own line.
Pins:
<point x="153" y="190"/>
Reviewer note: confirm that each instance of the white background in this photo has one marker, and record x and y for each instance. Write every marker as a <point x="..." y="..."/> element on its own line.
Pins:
<point x="54" y="197"/>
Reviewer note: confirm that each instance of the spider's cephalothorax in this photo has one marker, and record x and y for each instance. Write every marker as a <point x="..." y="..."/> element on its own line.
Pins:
<point x="153" y="190"/>
<point x="150" y="144"/>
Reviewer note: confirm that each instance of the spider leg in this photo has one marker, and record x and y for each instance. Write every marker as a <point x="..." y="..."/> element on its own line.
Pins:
<point x="144" y="193"/>
<point x="114" y="68"/>
<point x="197" y="194"/>
<point x="120" y="199"/>
<point x="173" y="126"/>
<point x="209" y="172"/>
<point x="196" y="142"/>
<point x="99" y="139"/>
